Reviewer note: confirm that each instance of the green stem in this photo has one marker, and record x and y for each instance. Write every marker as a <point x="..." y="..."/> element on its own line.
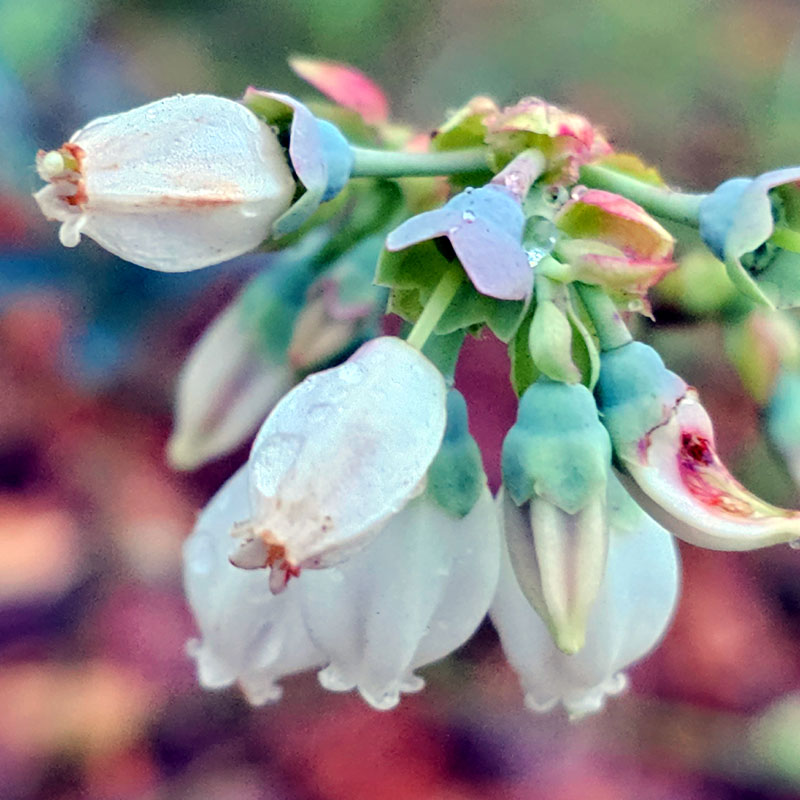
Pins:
<point x="608" y="325"/>
<point x="786" y="238"/>
<point x="394" y="164"/>
<point x="437" y="304"/>
<point x="659" y="200"/>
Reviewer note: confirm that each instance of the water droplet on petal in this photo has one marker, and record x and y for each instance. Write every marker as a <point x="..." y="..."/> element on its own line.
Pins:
<point x="535" y="255"/>
<point x="468" y="216"/>
<point x="543" y="232"/>
<point x="795" y="544"/>
<point x="351" y="372"/>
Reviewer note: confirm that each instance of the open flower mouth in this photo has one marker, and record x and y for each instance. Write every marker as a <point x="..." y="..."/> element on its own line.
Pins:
<point x="707" y="478"/>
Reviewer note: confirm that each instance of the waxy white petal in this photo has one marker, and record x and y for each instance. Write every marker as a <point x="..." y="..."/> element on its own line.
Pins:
<point x="415" y="593"/>
<point x="248" y="635"/>
<point x="177" y="184"/>
<point x="340" y="454"/>
<point x="630" y="614"/>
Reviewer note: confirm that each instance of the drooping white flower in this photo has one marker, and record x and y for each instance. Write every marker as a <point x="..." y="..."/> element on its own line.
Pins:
<point x="248" y="635"/>
<point x="341" y="453"/>
<point x="629" y="616"/>
<point x="225" y="389"/>
<point x="175" y="185"/>
<point x="410" y="597"/>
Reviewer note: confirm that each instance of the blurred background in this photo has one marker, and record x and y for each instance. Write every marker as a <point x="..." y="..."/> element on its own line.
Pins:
<point x="97" y="696"/>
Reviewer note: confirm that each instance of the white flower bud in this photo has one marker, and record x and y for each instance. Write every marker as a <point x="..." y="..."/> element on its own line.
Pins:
<point x="225" y="389"/>
<point x="175" y="185"/>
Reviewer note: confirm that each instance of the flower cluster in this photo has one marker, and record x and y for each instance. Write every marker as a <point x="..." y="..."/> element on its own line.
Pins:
<point x="361" y="538"/>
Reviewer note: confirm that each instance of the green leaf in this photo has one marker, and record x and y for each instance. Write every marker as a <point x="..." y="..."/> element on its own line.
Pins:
<point x="523" y="370"/>
<point x="414" y="273"/>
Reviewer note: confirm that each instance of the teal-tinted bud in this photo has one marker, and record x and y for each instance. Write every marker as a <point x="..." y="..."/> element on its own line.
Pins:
<point x="753" y="225"/>
<point x="635" y="392"/>
<point x="557" y="449"/>
<point x="456" y="476"/>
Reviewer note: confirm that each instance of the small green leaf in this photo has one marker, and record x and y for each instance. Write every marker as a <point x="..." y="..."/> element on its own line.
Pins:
<point x="523" y="370"/>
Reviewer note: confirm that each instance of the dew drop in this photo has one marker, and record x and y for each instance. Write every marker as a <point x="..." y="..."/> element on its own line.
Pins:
<point x="795" y="544"/>
<point x="535" y="255"/>
<point x="542" y="232"/>
<point x="468" y="216"/>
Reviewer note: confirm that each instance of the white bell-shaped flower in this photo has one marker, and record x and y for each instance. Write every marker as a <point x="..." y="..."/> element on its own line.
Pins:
<point x="413" y="595"/>
<point x="633" y="607"/>
<point x="341" y="453"/>
<point x="225" y="389"/>
<point x="248" y="635"/>
<point x="177" y="184"/>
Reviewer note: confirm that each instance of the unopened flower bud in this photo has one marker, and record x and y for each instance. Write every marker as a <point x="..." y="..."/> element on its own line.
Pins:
<point x="556" y="461"/>
<point x="752" y="225"/>
<point x="635" y="602"/>
<point x="178" y="184"/>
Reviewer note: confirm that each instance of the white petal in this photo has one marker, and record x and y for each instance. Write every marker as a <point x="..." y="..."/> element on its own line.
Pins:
<point x="247" y="634"/>
<point x="635" y="603"/>
<point x="686" y="487"/>
<point x="226" y="388"/>
<point x="410" y="597"/>
<point x="344" y="451"/>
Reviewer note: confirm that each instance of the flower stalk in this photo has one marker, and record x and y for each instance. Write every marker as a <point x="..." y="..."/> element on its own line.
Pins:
<point x="441" y="298"/>
<point x="681" y="207"/>
<point x="372" y="163"/>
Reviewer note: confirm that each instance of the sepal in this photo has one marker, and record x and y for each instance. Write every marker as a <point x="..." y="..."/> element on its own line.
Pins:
<point x="321" y="157"/>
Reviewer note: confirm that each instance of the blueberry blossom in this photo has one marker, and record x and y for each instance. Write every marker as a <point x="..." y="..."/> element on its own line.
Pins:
<point x="175" y="185"/>
<point x="664" y="439"/>
<point x="238" y="369"/>
<point x="634" y="604"/>
<point x="752" y="225"/>
<point x="247" y="635"/>
<point x="339" y="455"/>
<point x="416" y="591"/>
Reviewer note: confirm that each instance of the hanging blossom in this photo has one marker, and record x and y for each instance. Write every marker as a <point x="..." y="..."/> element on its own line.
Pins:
<point x="411" y="593"/>
<point x="634" y="604"/>
<point x="338" y="456"/>
<point x="175" y="185"/>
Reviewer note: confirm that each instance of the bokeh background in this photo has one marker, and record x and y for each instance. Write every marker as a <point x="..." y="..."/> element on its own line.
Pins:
<point x="97" y="698"/>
